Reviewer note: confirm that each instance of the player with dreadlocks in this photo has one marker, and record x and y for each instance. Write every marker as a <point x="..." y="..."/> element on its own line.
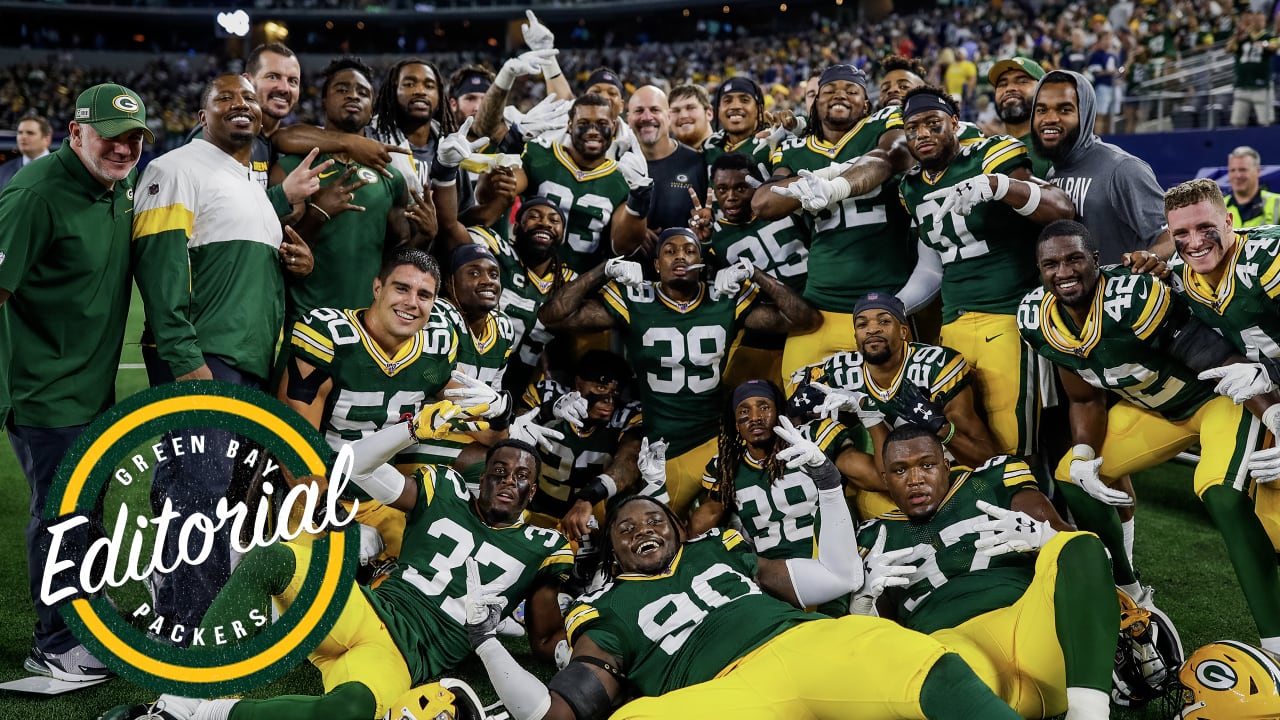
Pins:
<point x="738" y="114"/>
<point x="778" y="507"/>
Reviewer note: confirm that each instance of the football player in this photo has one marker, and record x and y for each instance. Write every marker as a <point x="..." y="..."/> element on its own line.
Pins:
<point x="738" y="108"/>
<point x="777" y="247"/>
<point x="602" y="199"/>
<point x="979" y="559"/>
<point x="703" y="627"/>
<point x="902" y="75"/>
<point x="396" y="636"/>
<point x="1109" y="330"/>
<point x="976" y="210"/>
<point x="677" y="333"/>
<point x="777" y="506"/>
<point x="859" y="232"/>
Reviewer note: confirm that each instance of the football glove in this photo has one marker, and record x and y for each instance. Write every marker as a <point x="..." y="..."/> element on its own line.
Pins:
<point x="455" y="147"/>
<point x="550" y="115"/>
<point x="482" y="608"/>
<point x="371" y="544"/>
<point x="814" y="192"/>
<point x="536" y="35"/>
<point x="728" y="282"/>
<point x="476" y="397"/>
<point x="838" y="400"/>
<point x="1014" y="531"/>
<point x="1264" y="465"/>
<point x="652" y="462"/>
<point x="627" y="272"/>
<point x="571" y="408"/>
<point x="529" y="63"/>
<point x="1239" y="381"/>
<point x="1084" y="472"/>
<point x="434" y="421"/>
<point x="912" y="404"/>
<point x="881" y="570"/>
<point x="526" y="428"/>
<point x="965" y="195"/>
<point x="804" y="455"/>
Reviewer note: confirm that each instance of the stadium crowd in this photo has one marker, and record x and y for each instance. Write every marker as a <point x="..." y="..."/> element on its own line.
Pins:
<point x="854" y="383"/>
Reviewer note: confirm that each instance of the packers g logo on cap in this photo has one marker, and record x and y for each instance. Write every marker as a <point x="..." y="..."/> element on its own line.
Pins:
<point x="125" y="103"/>
<point x="108" y="540"/>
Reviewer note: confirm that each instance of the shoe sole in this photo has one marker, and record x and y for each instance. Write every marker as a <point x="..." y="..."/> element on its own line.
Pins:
<point x="33" y="667"/>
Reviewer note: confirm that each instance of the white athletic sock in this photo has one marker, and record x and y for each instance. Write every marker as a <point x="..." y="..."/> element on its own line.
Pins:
<point x="1272" y="645"/>
<point x="1134" y="590"/>
<point x="215" y="709"/>
<point x="1126" y="528"/>
<point x="180" y="707"/>
<point x="1087" y="704"/>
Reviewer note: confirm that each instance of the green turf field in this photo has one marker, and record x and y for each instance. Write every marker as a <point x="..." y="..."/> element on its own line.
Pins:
<point x="1177" y="551"/>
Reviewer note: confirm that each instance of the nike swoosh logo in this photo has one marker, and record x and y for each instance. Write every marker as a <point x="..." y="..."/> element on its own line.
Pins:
<point x="328" y="174"/>
<point x="993" y="337"/>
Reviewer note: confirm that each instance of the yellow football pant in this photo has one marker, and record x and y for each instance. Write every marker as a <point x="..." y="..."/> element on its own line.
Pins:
<point x="835" y="334"/>
<point x="1003" y="373"/>
<point x="684" y="475"/>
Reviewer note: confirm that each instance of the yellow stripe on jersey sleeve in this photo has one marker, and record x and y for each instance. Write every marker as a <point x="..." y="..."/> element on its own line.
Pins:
<point x="532" y="397"/>
<point x="731" y="539"/>
<point x="308" y="338"/>
<point x="563" y="556"/>
<point x="1270" y="277"/>
<point x="164" y="219"/>
<point x="826" y="433"/>
<point x="951" y="375"/>
<point x="427" y="479"/>
<point x="747" y="298"/>
<point x="775" y="157"/>
<point x="1002" y="152"/>
<point x="1017" y="472"/>
<point x="612" y="297"/>
<point x="484" y="236"/>
<point x="578" y="617"/>
<point x="1154" y="312"/>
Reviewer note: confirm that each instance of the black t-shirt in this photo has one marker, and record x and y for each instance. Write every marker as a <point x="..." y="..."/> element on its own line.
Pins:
<point x="672" y="178"/>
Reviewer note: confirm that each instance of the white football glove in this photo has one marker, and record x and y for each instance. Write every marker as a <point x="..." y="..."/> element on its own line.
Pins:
<point x="526" y="428"/>
<point x="483" y="609"/>
<point x="881" y="570"/>
<point x="476" y="396"/>
<point x="371" y="545"/>
<point x="550" y="115"/>
<point x="839" y="399"/>
<point x="728" y="282"/>
<point x="801" y="451"/>
<point x="627" y="272"/>
<point x="964" y="196"/>
<point x="1239" y="381"/>
<point x="571" y="408"/>
<point x="1015" y="531"/>
<point x="624" y="141"/>
<point x="1264" y="465"/>
<point x="528" y="63"/>
<point x="536" y="35"/>
<point x="652" y="462"/>
<point x="635" y="170"/>
<point x="455" y="147"/>
<point x="1084" y="472"/>
<point x="814" y="192"/>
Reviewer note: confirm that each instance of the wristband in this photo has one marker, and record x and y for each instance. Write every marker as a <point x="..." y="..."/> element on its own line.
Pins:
<point x="551" y="69"/>
<point x="320" y="210"/>
<point x="639" y="200"/>
<point x="602" y="488"/>
<point x="1083" y="452"/>
<point x="1033" y="200"/>
<point x="839" y="189"/>
<point x="950" y="434"/>
<point x="503" y="421"/>
<point x="1002" y="186"/>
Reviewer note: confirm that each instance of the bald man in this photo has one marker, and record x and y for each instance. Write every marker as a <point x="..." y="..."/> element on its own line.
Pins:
<point x="674" y="168"/>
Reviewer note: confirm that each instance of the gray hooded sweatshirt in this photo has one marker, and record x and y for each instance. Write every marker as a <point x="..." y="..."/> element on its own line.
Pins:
<point x="1116" y="194"/>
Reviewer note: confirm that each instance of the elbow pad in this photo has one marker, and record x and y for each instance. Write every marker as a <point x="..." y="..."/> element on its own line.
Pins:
<point x="1196" y="344"/>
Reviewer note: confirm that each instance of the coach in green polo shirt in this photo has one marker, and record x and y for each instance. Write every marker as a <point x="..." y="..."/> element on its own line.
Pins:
<point x="64" y="297"/>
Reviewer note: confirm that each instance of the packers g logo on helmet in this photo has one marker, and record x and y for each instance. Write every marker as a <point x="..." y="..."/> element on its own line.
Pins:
<point x="1230" y="680"/>
<point x="447" y="699"/>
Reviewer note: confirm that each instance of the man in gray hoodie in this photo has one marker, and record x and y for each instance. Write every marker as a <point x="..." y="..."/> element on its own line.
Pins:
<point x="1116" y="194"/>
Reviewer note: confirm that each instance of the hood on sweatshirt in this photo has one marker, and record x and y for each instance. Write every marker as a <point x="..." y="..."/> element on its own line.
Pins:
<point x="1087" y="104"/>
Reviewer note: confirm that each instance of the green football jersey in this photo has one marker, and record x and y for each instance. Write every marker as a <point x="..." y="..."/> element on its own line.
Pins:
<point x="954" y="582"/>
<point x="861" y="245"/>
<point x="678" y="351"/>
<point x="1243" y="307"/>
<point x="1253" y="61"/>
<point x="988" y="256"/>
<point x="780" y="516"/>
<point x="523" y="293"/>
<point x="777" y="247"/>
<point x="587" y="198"/>
<point x="348" y="251"/>
<point x="371" y="388"/>
<point x="939" y="371"/>
<point x="582" y="455"/>
<point x="684" y="626"/>
<point x="1120" y="348"/>
<point x="753" y="147"/>
<point x="421" y="601"/>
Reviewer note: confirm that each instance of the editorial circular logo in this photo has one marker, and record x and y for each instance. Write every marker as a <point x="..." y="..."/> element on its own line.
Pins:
<point x="142" y="518"/>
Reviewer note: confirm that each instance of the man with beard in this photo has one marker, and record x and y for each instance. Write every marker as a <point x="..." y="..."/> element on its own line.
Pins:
<point x="976" y="209"/>
<point x="777" y="247"/>
<point x="677" y="333"/>
<point x="904" y="74"/>
<point x="365" y="214"/>
<point x="1109" y="330"/>
<point x="602" y="199"/>
<point x="532" y="271"/>
<point x="738" y="643"/>
<point x="690" y="115"/>
<point x="1115" y="194"/>
<point x="739" y="114"/>
<point x="860" y="242"/>
<point x="64" y="303"/>
<point x="676" y="171"/>
<point x="591" y="449"/>
<point x="211" y="272"/>
<point x="776" y="505"/>
<point x="1015" y="82"/>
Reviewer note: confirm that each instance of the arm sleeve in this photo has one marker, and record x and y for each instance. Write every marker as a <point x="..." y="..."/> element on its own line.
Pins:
<point x="925" y="280"/>
<point x="163" y="223"/>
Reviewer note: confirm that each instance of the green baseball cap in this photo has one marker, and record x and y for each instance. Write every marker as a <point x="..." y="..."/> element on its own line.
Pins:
<point x="1026" y="65"/>
<point x="112" y="110"/>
